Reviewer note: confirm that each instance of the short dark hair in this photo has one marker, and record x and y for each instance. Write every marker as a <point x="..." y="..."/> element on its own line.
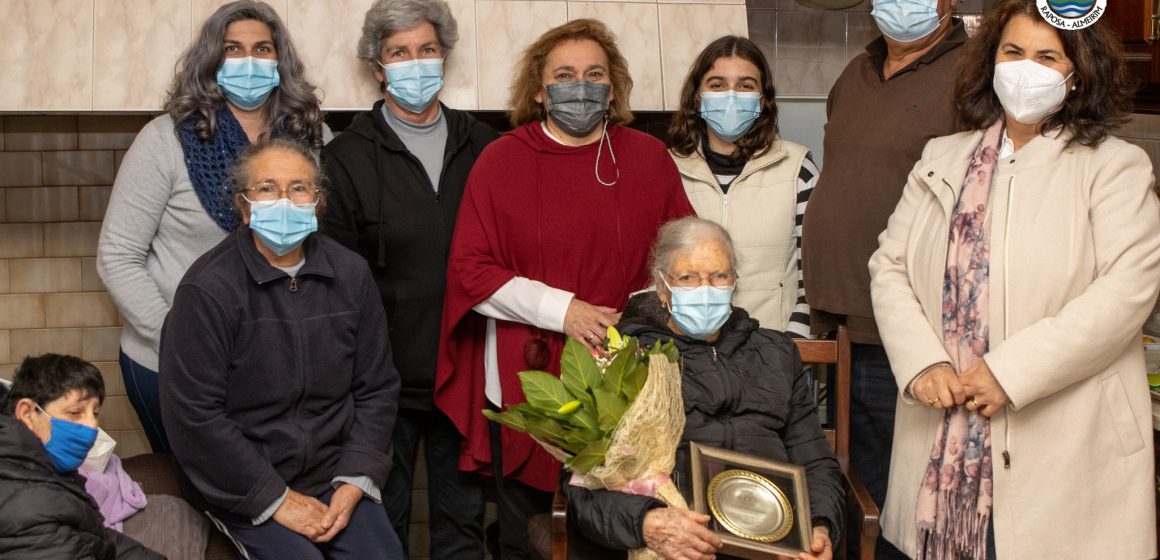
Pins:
<point x="1103" y="92"/>
<point x="48" y="377"/>
<point x="687" y="131"/>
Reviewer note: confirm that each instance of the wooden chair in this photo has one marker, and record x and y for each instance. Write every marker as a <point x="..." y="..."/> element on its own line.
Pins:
<point x="861" y="513"/>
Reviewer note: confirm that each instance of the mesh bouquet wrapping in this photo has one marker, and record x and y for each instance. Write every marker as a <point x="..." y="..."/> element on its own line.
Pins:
<point x="644" y="445"/>
<point x="614" y="420"/>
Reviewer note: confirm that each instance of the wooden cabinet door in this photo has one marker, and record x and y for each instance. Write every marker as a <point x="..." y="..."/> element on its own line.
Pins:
<point x="1133" y="21"/>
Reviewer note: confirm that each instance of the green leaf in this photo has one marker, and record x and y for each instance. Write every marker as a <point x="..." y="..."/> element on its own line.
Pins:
<point x="623" y="362"/>
<point x="510" y="418"/>
<point x="669" y="349"/>
<point x="634" y="382"/>
<point x="548" y="430"/>
<point x="583" y="419"/>
<point x="590" y="457"/>
<point x="544" y="391"/>
<point x="578" y="369"/>
<point x="610" y="408"/>
<point x="579" y="439"/>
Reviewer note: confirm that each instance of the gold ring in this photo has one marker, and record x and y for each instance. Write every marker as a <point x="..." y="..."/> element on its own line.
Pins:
<point x="975" y="403"/>
<point x="931" y="401"/>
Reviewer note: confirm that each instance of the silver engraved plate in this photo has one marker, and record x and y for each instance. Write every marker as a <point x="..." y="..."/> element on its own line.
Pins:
<point x="750" y="506"/>
<point x="760" y="508"/>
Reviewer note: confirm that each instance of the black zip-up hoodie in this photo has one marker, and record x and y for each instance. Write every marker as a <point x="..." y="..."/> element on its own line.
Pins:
<point x="745" y="392"/>
<point x="381" y="204"/>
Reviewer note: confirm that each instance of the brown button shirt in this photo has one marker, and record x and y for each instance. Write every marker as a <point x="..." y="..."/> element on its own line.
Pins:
<point x="876" y="132"/>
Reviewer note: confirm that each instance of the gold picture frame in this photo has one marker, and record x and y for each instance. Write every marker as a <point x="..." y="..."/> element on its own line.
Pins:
<point x="758" y="507"/>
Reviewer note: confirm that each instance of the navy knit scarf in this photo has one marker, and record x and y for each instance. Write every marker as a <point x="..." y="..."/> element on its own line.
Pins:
<point x="209" y="165"/>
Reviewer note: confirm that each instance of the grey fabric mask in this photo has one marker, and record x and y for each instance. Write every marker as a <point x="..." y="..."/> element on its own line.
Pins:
<point x="577" y="106"/>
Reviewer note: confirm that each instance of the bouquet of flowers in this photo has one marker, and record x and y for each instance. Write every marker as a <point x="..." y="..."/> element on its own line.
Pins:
<point x="614" y="418"/>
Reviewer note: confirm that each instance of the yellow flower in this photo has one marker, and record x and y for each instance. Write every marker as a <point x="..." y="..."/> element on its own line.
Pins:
<point x="615" y="341"/>
<point x="568" y="408"/>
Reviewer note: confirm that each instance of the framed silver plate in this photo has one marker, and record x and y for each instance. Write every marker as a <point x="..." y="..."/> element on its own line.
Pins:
<point x="759" y="507"/>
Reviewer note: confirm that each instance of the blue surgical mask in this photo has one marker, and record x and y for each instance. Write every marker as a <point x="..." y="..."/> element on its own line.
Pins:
<point x="413" y="84"/>
<point x="68" y="443"/>
<point x="730" y="113"/>
<point x="701" y="311"/>
<point x="282" y="225"/>
<point x="906" y="21"/>
<point x="248" y="81"/>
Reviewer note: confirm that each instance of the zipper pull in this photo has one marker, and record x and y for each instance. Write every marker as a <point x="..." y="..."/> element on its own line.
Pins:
<point x="293" y="284"/>
<point x="437" y="197"/>
<point x="714" y="349"/>
<point x="1006" y="459"/>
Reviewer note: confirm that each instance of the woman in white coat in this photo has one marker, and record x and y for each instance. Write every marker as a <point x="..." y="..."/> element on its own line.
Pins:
<point x="1010" y="287"/>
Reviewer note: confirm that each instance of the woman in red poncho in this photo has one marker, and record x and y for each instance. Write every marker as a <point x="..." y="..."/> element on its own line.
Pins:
<point x="553" y="234"/>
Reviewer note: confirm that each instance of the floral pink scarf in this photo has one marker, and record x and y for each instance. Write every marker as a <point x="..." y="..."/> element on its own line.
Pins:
<point x="954" y="503"/>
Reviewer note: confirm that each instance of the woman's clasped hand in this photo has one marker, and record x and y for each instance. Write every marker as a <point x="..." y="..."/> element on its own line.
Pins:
<point x="976" y="389"/>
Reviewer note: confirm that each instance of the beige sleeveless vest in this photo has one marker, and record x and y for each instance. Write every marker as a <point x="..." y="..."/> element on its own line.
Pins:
<point x="758" y="212"/>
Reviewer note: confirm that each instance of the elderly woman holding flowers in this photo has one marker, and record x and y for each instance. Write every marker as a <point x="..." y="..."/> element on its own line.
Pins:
<point x="743" y="389"/>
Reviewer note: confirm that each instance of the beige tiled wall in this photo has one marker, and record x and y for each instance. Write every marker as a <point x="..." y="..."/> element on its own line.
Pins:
<point x="56" y="173"/>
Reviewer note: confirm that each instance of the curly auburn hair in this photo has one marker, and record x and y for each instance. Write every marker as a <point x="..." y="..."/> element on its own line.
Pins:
<point x="1102" y="98"/>
<point x="687" y="130"/>
<point x="529" y="73"/>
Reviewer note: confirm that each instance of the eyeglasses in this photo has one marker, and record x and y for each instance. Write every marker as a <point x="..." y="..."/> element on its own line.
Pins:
<point x="717" y="280"/>
<point x="298" y="193"/>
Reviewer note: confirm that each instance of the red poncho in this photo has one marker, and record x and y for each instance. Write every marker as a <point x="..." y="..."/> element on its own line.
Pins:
<point x="533" y="208"/>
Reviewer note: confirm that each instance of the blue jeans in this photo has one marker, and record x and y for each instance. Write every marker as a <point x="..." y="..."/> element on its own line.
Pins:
<point x="873" y="395"/>
<point x="368" y="535"/>
<point x="141" y="386"/>
<point x="455" y="497"/>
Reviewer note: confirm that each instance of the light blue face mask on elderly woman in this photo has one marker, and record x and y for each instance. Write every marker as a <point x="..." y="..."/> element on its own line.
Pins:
<point x="413" y="84"/>
<point x="282" y="225"/>
<point x="699" y="312"/>
<point x="906" y="21"/>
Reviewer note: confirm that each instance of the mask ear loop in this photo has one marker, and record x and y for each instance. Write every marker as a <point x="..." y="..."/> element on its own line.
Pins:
<point x="599" y="148"/>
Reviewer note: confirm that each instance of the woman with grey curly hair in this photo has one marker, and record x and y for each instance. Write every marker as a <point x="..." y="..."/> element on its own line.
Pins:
<point x="396" y="175"/>
<point x="240" y="81"/>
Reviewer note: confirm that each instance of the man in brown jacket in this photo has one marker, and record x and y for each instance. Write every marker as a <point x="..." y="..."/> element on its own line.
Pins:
<point x="888" y="102"/>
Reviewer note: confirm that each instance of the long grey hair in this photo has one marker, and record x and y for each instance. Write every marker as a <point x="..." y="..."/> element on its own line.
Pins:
<point x="293" y="108"/>
<point x="387" y="17"/>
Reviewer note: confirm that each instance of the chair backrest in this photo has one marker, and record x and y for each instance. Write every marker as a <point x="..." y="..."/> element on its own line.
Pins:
<point x="836" y="353"/>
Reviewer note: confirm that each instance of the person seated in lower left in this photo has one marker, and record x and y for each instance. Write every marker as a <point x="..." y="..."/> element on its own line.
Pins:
<point x="48" y="425"/>
<point x="277" y="386"/>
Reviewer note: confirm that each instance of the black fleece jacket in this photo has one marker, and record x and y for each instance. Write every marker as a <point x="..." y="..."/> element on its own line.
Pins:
<point x="745" y="392"/>
<point x="269" y="382"/>
<point x="382" y="205"/>
<point x="46" y="515"/>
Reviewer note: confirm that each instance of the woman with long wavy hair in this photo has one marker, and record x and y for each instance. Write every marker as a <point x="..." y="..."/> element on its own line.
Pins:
<point x="240" y="81"/>
<point x="738" y="172"/>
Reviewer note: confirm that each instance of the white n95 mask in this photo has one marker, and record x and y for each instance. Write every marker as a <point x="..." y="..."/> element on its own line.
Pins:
<point x="1029" y="91"/>
<point x="98" y="457"/>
